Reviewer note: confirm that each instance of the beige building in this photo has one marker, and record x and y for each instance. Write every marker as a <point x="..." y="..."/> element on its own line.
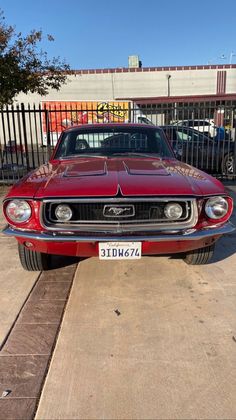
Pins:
<point x="147" y="85"/>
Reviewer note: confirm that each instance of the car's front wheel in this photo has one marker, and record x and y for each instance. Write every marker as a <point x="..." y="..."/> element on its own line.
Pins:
<point x="33" y="260"/>
<point x="200" y="256"/>
<point x="228" y="164"/>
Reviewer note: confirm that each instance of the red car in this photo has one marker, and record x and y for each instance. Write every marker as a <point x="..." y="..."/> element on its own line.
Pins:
<point x="117" y="191"/>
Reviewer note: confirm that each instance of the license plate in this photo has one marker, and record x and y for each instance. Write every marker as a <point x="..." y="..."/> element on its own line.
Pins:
<point x="120" y="250"/>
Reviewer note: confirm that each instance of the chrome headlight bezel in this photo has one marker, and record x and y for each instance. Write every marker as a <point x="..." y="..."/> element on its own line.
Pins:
<point x="216" y="207"/>
<point x="18" y="211"/>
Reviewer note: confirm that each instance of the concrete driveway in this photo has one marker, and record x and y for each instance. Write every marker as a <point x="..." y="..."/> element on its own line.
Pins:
<point x="151" y="339"/>
<point x="148" y="340"/>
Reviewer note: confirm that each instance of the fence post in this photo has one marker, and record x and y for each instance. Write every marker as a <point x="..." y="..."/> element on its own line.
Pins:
<point x="47" y="122"/>
<point x="25" y="136"/>
<point x="234" y="157"/>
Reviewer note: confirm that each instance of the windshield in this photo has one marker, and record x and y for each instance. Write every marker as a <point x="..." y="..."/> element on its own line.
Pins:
<point x="105" y="141"/>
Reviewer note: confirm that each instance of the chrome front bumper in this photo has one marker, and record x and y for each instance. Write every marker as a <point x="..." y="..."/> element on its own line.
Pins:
<point x="187" y="235"/>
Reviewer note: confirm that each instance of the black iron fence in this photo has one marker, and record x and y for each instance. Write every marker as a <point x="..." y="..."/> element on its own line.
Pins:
<point x="202" y="135"/>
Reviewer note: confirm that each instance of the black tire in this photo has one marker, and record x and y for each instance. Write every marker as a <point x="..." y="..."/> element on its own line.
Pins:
<point x="228" y="165"/>
<point x="32" y="260"/>
<point x="199" y="256"/>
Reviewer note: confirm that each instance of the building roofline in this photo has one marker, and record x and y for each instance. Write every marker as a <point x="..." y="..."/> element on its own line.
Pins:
<point x="151" y="69"/>
<point x="168" y="99"/>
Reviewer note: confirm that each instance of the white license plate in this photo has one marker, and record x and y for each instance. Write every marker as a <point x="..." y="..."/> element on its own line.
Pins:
<point x="120" y="250"/>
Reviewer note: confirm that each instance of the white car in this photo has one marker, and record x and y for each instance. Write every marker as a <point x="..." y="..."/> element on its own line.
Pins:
<point x="206" y="126"/>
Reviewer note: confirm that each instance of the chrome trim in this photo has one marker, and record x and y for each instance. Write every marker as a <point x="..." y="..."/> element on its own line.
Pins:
<point x="186" y="235"/>
<point x="118" y="226"/>
<point x="119" y="206"/>
<point x="117" y="199"/>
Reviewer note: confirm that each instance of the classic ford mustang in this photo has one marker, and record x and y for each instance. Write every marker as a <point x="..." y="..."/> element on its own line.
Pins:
<point x="116" y="191"/>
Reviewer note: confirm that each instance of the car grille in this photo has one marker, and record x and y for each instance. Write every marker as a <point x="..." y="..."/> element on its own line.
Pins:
<point x="109" y="214"/>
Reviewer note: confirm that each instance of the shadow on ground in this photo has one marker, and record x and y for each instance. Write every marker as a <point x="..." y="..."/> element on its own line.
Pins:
<point x="225" y="247"/>
<point x="60" y="261"/>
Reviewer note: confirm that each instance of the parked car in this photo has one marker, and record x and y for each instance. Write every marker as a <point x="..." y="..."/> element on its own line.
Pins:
<point x="12" y="159"/>
<point x="208" y="154"/>
<point x="116" y="191"/>
<point x="205" y="126"/>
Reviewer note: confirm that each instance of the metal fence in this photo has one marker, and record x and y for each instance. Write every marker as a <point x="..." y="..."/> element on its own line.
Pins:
<point x="202" y="135"/>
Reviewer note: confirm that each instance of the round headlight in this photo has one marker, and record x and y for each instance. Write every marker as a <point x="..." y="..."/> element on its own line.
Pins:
<point x="63" y="213"/>
<point x="173" y="211"/>
<point x="18" y="211"/>
<point x="216" y="207"/>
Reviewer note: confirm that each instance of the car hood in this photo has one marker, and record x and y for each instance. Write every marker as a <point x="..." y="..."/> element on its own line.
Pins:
<point x="107" y="177"/>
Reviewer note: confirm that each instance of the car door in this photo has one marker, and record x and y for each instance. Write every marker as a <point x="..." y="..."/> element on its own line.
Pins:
<point x="182" y="142"/>
<point x="196" y="148"/>
<point x="170" y="132"/>
<point x="190" y="145"/>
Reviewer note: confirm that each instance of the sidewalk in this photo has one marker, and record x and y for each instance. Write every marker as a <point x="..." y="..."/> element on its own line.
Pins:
<point x="31" y="311"/>
<point x="15" y="283"/>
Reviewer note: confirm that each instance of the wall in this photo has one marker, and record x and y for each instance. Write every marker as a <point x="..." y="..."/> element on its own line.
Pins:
<point x="118" y="83"/>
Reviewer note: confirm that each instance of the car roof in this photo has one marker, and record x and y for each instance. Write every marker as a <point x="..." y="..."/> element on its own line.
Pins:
<point x="178" y="126"/>
<point x="110" y="125"/>
<point x="184" y="127"/>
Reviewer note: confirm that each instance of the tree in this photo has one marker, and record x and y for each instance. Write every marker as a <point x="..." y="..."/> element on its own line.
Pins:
<point x="24" y="67"/>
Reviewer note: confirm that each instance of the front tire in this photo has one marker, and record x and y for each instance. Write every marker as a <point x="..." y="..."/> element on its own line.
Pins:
<point x="228" y="165"/>
<point x="33" y="260"/>
<point x="200" y="256"/>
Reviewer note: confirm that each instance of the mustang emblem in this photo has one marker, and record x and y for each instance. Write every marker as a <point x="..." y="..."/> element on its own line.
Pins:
<point x="119" y="210"/>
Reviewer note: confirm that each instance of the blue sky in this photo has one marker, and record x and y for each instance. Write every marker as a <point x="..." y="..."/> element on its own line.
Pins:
<point x="102" y="33"/>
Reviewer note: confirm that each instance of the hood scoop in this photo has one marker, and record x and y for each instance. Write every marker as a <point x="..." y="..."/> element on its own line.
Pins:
<point x="145" y="167"/>
<point x="91" y="167"/>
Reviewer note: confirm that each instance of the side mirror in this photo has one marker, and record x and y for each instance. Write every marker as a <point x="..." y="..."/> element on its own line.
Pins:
<point x="178" y="150"/>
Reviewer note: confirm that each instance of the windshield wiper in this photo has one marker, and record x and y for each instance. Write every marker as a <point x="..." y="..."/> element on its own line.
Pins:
<point x="81" y="155"/>
<point x="109" y="154"/>
<point x="130" y="154"/>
